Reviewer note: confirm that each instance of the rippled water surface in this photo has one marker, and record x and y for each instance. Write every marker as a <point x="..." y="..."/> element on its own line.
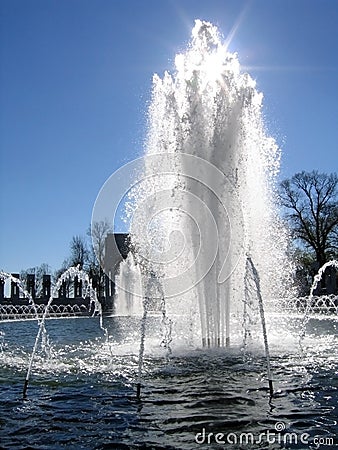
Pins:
<point x="82" y="393"/>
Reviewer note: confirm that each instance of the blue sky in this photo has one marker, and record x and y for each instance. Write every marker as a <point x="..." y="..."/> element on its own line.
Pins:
<point x="75" y="82"/>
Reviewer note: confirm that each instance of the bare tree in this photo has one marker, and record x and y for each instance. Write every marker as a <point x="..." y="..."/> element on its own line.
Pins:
<point x="98" y="233"/>
<point x="78" y="252"/>
<point x="79" y="256"/>
<point x="311" y="199"/>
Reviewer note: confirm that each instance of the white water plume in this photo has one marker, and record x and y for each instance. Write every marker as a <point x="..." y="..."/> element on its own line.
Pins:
<point x="202" y="196"/>
<point x="206" y="195"/>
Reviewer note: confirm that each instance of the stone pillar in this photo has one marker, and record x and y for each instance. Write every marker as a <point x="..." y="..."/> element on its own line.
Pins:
<point x="106" y="286"/>
<point x="109" y="292"/>
<point x="15" y="288"/>
<point x="331" y="280"/>
<point x="94" y="280"/>
<point x="31" y="284"/>
<point x="77" y="287"/>
<point x="46" y="285"/>
<point x="80" y="288"/>
<point x="2" y="288"/>
<point x="63" y="290"/>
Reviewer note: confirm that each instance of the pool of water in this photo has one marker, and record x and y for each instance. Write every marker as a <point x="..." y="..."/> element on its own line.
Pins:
<point x="82" y="391"/>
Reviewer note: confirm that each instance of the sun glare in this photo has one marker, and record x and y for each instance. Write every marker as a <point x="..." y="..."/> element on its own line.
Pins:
<point x="214" y="66"/>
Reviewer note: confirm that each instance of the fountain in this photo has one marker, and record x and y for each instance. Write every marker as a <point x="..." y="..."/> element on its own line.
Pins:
<point x="70" y="273"/>
<point x="204" y="311"/>
<point x="12" y="311"/>
<point x="328" y="304"/>
<point x="205" y="196"/>
<point x="199" y="200"/>
<point x="24" y="306"/>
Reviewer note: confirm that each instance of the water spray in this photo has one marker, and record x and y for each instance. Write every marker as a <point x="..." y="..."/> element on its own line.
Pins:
<point x="70" y="273"/>
<point x="250" y="265"/>
<point x="7" y="276"/>
<point x="317" y="279"/>
<point x="4" y="276"/>
<point x="141" y="351"/>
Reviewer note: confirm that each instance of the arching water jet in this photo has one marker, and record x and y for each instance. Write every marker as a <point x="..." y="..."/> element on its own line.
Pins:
<point x="70" y="273"/>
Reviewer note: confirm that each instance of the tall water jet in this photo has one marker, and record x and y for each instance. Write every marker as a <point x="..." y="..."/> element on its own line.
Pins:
<point x="128" y="297"/>
<point x="206" y="193"/>
<point x="251" y="274"/>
